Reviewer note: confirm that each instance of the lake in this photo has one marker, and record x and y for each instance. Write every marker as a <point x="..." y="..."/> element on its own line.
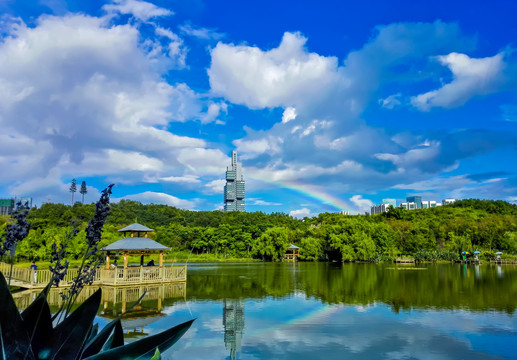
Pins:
<point x="330" y="311"/>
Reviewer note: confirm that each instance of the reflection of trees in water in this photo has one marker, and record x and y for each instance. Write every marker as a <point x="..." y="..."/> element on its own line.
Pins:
<point x="233" y="322"/>
<point x="113" y="297"/>
<point x="437" y="286"/>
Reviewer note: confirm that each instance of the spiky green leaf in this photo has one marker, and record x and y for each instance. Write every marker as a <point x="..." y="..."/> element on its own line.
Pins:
<point x="96" y="344"/>
<point x="145" y="348"/>
<point x="38" y="322"/>
<point x="14" y="340"/>
<point x="69" y="337"/>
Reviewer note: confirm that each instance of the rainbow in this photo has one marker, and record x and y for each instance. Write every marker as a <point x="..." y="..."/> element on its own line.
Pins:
<point x="309" y="191"/>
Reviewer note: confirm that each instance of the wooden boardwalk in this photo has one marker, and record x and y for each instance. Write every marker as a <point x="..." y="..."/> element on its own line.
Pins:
<point x="24" y="278"/>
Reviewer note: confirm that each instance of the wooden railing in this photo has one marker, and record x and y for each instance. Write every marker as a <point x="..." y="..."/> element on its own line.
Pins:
<point x="21" y="274"/>
<point x="142" y="275"/>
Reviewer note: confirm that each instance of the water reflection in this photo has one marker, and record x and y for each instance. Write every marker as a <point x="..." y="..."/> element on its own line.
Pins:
<point x="472" y="286"/>
<point x="233" y="322"/>
<point x="117" y="300"/>
<point x="332" y="311"/>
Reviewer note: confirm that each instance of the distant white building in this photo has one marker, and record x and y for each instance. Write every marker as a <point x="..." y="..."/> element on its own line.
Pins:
<point x="386" y="203"/>
<point x="426" y="204"/>
<point x="418" y="203"/>
<point x="378" y="209"/>
<point x="409" y="205"/>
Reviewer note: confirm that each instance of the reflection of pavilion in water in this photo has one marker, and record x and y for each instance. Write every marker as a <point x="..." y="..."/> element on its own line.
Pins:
<point x="116" y="300"/>
<point x="233" y="321"/>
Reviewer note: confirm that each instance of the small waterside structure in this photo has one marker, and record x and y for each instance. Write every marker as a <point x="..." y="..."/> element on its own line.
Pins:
<point x="405" y="260"/>
<point x="292" y="253"/>
<point x="134" y="242"/>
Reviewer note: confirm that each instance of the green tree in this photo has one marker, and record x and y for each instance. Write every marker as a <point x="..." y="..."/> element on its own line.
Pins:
<point x="73" y="189"/>
<point x="83" y="190"/>
<point x="273" y="244"/>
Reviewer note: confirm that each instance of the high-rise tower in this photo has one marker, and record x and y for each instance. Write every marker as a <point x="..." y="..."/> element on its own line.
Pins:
<point x="234" y="188"/>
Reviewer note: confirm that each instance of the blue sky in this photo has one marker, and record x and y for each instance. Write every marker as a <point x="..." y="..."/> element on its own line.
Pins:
<point x="330" y="105"/>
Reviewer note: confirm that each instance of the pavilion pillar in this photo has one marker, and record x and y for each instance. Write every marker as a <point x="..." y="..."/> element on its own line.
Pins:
<point x="125" y="260"/>
<point x="161" y="258"/>
<point x="107" y="261"/>
<point x="142" y="260"/>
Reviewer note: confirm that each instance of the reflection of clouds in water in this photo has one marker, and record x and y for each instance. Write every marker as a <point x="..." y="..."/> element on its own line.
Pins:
<point x="464" y="321"/>
<point x="214" y="324"/>
<point x="363" y="337"/>
<point x="299" y="328"/>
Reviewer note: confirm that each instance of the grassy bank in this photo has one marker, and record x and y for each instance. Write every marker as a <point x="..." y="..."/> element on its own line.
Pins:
<point x="182" y="256"/>
<point x="175" y="257"/>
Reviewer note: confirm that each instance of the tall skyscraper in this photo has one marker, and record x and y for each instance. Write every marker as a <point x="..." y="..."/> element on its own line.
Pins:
<point x="234" y="189"/>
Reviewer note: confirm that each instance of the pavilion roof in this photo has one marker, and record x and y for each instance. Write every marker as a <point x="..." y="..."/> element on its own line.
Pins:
<point x="134" y="243"/>
<point x="135" y="227"/>
<point x="292" y="246"/>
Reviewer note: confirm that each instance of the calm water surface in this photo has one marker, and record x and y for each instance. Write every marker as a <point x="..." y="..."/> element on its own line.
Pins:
<point x="332" y="311"/>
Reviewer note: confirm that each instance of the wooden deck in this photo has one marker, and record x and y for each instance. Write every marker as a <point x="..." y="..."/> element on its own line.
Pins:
<point x="24" y="278"/>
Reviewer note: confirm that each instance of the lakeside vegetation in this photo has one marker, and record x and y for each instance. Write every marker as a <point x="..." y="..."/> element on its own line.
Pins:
<point x="428" y="234"/>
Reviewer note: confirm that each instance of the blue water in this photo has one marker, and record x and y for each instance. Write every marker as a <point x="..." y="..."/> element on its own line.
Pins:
<point x="288" y="324"/>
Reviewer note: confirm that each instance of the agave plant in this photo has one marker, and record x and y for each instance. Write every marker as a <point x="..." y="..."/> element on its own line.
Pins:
<point x="32" y="335"/>
<point x="71" y="335"/>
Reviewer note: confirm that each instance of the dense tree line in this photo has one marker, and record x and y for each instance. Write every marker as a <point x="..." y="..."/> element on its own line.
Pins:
<point x="428" y="234"/>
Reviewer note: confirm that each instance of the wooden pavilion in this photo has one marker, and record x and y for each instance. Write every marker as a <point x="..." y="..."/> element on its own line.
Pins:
<point x="136" y="242"/>
<point x="292" y="253"/>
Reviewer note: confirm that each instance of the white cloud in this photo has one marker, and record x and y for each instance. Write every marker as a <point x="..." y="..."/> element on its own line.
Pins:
<point x="215" y="186"/>
<point x="290" y="172"/>
<point x="131" y="160"/>
<point x="200" y="32"/>
<point x="175" y="48"/>
<point x="412" y="157"/>
<point x="471" y="77"/>
<point x="149" y="197"/>
<point x="279" y="77"/>
<point x="361" y="205"/>
<point x="260" y="202"/>
<point x="300" y="213"/>
<point x="101" y="107"/>
<point x="189" y="179"/>
<point x="251" y="148"/>
<point x="330" y="99"/>
<point x="437" y="183"/>
<point x="141" y="10"/>
<point x="289" y="114"/>
<point x="213" y="111"/>
<point x="391" y="101"/>
<point x="203" y="161"/>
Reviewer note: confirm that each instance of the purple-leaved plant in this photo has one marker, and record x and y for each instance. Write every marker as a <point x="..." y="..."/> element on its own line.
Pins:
<point x="16" y="230"/>
<point x="92" y="258"/>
